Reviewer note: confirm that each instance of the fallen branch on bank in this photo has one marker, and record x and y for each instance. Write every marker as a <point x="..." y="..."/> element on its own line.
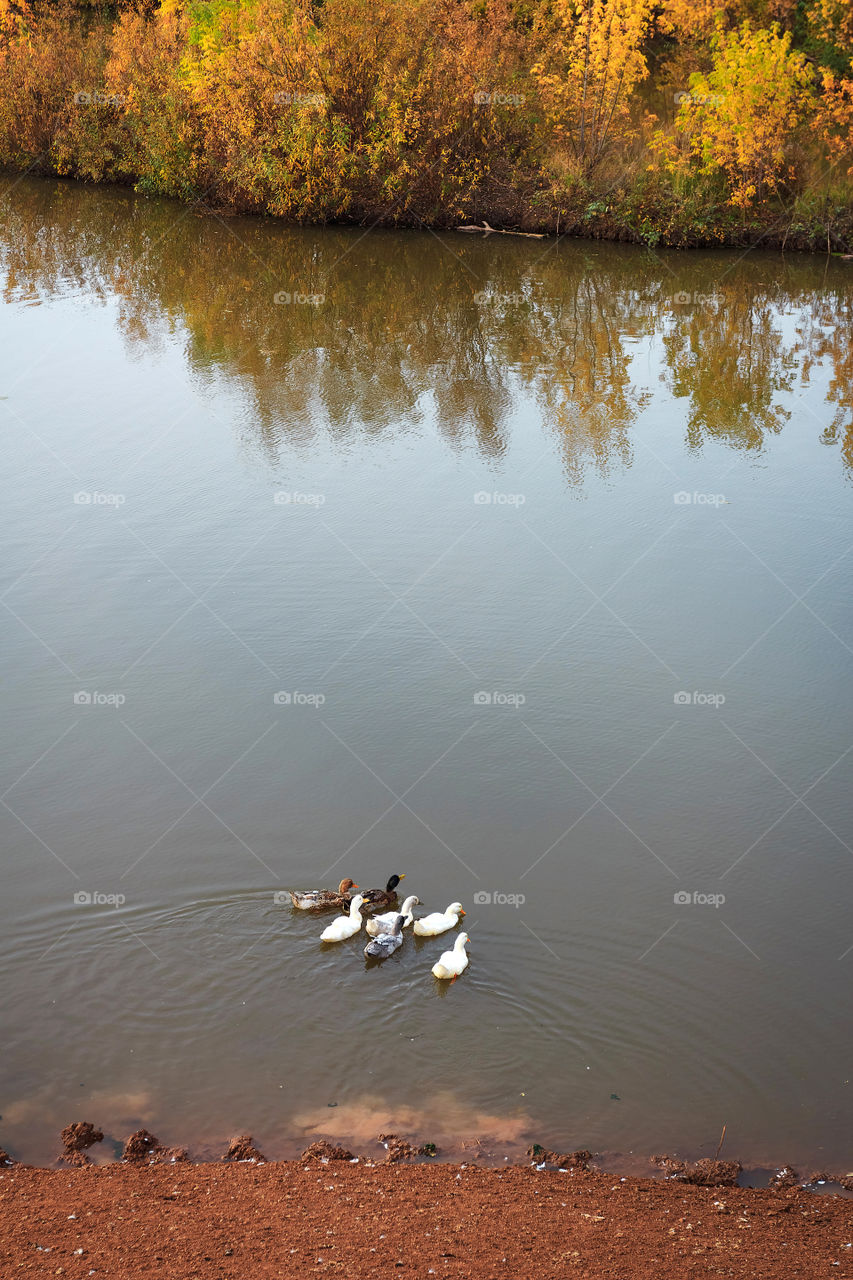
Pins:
<point x="487" y="230"/>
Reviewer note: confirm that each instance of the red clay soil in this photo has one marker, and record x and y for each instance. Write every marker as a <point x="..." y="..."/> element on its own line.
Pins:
<point x="241" y="1221"/>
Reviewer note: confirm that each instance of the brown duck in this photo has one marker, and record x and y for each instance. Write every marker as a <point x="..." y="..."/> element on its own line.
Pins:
<point x="323" y="899"/>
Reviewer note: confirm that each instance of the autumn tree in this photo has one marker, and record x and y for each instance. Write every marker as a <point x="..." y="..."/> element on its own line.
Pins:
<point x="592" y="62"/>
<point x="697" y="20"/>
<point x="746" y="115"/>
<point x="829" y="25"/>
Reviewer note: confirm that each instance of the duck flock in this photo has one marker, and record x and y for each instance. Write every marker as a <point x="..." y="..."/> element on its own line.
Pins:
<point x="385" y="927"/>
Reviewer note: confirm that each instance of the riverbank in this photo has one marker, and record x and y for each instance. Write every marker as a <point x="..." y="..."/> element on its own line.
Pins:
<point x="653" y="214"/>
<point x="332" y="1217"/>
<point x="621" y="121"/>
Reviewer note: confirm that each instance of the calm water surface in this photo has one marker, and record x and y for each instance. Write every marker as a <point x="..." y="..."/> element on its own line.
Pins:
<point x="481" y="511"/>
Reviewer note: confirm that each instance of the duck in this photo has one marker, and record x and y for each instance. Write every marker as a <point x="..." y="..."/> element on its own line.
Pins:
<point x="383" y="897"/>
<point x="323" y="899"/>
<point x="387" y="943"/>
<point x="384" y="924"/>
<point x="439" y="921"/>
<point x="345" y="926"/>
<point x="452" y="963"/>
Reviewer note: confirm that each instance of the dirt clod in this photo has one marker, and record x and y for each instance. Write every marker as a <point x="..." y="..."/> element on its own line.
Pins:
<point x="325" y="1151"/>
<point x="399" y="1149"/>
<point x="141" y="1145"/>
<point x="704" y="1173"/>
<point x="845" y="1181"/>
<point x="242" y="1149"/>
<point x="557" y="1160"/>
<point x="76" y="1139"/>
<point x="786" y="1177"/>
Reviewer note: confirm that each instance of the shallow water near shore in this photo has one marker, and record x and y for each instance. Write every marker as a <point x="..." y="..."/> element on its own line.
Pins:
<point x="518" y="567"/>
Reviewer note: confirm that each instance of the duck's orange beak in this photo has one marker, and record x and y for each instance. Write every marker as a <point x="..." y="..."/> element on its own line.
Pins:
<point x="462" y="913"/>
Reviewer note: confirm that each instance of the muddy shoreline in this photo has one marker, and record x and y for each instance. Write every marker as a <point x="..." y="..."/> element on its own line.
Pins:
<point x="326" y="1215"/>
<point x="84" y="1145"/>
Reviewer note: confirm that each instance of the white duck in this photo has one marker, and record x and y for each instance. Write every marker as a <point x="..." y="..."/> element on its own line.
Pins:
<point x="345" y="926"/>
<point x="439" y="921"/>
<point x="452" y="963"/>
<point x="385" y="924"/>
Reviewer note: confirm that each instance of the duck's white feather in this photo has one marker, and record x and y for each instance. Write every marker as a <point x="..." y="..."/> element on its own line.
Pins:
<point x="345" y="926"/>
<point x="439" y="921"/>
<point x="452" y="963"/>
<point x="385" y="923"/>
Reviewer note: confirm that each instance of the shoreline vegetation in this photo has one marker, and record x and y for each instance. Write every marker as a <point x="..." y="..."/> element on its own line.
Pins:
<point x="686" y="123"/>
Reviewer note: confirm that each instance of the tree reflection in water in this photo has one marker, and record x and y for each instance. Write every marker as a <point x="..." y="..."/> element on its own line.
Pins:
<point x="453" y="325"/>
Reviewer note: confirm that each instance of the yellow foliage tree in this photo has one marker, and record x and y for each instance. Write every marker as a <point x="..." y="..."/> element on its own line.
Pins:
<point x="697" y="20"/>
<point x="15" y="19"/>
<point x="830" y="22"/>
<point x="690" y="19"/>
<point x="834" y="119"/>
<point x="744" y="117"/>
<point x="592" y="63"/>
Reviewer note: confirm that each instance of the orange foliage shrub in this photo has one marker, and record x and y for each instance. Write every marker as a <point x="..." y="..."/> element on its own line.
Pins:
<point x="54" y="112"/>
<point x="164" y="143"/>
<point x="401" y="103"/>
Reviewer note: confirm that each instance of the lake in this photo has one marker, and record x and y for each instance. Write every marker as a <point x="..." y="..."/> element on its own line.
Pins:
<point x="520" y="567"/>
